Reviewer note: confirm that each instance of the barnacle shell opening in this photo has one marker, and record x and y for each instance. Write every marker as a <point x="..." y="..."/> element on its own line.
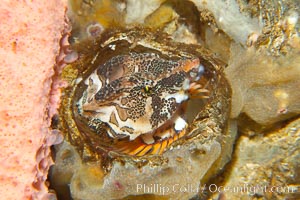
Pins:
<point x="134" y="102"/>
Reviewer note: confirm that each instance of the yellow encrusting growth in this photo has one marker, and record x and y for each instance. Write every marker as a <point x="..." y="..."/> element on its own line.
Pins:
<point x="107" y="13"/>
<point x="162" y="16"/>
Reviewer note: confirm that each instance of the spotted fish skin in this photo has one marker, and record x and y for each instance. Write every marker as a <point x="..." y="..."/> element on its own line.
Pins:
<point x="137" y="94"/>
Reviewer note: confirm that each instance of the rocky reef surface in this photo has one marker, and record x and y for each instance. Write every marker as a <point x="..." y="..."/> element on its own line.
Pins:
<point x="241" y="143"/>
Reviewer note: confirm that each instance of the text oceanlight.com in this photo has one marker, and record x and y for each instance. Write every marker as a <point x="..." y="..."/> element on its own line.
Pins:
<point x="213" y="188"/>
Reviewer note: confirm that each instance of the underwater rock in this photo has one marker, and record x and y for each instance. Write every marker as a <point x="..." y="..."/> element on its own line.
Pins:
<point x="230" y="20"/>
<point x="132" y="126"/>
<point x="263" y="86"/>
<point x="266" y="167"/>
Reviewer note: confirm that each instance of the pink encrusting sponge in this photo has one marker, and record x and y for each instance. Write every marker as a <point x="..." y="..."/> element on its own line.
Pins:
<point x="29" y="43"/>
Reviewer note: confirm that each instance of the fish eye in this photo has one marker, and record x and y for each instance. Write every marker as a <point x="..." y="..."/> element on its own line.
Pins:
<point x="147" y="89"/>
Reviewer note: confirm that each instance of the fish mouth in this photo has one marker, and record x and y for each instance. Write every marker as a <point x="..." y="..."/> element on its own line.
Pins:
<point x="160" y="139"/>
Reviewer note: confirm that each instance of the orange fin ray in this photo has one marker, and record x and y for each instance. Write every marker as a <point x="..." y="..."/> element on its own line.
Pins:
<point x="139" y="148"/>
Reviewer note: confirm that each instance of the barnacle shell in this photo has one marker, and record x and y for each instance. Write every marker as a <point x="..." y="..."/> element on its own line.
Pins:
<point x="206" y="135"/>
<point x="119" y="48"/>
